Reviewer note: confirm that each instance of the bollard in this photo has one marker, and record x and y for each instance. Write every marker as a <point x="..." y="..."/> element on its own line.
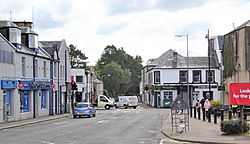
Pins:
<point x="194" y="112"/>
<point x="209" y="115"/>
<point x="245" y="116"/>
<point x="215" y="115"/>
<point x="229" y="114"/>
<point x="191" y="112"/>
<point x="222" y="114"/>
<point x="204" y="114"/>
<point x="199" y="113"/>
<point x="238" y="112"/>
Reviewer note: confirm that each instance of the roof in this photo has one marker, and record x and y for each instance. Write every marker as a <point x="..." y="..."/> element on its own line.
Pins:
<point x="48" y="46"/>
<point x="166" y="61"/>
<point x="6" y="23"/>
<point x="245" y="24"/>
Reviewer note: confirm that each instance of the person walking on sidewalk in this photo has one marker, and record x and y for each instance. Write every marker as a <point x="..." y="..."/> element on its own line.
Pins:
<point x="207" y="106"/>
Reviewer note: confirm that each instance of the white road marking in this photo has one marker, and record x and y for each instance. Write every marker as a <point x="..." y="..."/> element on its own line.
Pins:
<point x="114" y="111"/>
<point x="161" y="142"/>
<point x="125" y="112"/>
<point x="45" y="142"/>
<point x="60" y="123"/>
<point x="103" y="121"/>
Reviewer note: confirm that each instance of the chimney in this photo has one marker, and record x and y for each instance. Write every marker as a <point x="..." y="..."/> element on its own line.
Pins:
<point x="174" y="61"/>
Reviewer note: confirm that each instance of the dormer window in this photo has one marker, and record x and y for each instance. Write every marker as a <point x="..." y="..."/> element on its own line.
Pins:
<point x="15" y="35"/>
<point x="33" y="41"/>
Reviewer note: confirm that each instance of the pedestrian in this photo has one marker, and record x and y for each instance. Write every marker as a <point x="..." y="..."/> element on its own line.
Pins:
<point x="202" y="102"/>
<point x="207" y="106"/>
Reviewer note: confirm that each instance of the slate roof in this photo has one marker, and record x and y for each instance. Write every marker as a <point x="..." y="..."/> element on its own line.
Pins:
<point x="48" y="46"/>
<point x="166" y="61"/>
<point x="245" y="24"/>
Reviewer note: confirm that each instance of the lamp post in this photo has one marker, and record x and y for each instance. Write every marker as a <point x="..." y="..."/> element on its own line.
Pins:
<point x="187" y="68"/>
<point x="209" y="81"/>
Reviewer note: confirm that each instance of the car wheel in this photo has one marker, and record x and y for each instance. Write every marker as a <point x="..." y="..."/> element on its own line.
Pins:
<point x="135" y="107"/>
<point x="74" y="116"/>
<point x="116" y="106"/>
<point x="107" y="107"/>
<point x="90" y="116"/>
<point x="125" y="106"/>
<point x="94" y="115"/>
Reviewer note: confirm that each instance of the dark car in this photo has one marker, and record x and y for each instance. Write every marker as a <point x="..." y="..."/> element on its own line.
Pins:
<point x="84" y="109"/>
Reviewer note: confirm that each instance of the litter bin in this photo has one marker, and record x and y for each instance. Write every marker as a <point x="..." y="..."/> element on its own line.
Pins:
<point x="167" y="103"/>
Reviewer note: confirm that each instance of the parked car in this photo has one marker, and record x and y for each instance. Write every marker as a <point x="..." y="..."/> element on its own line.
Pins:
<point x="126" y="101"/>
<point x="84" y="109"/>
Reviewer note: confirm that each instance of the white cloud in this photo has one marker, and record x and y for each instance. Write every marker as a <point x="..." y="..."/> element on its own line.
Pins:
<point x="145" y="28"/>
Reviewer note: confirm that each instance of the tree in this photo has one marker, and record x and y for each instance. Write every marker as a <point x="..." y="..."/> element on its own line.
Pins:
<point x="130" y="65"/>
<point x="77" y="58"/>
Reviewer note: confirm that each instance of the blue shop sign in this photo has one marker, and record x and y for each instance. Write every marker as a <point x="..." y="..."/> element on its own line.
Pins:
<point x="8" y="84"/>
<point x="34" y="85"/>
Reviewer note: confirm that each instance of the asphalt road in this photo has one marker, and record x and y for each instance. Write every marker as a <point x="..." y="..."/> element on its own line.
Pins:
<point x="115" y="126"/>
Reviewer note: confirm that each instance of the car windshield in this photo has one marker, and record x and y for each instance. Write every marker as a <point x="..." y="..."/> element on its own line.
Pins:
<point x="80" y="105"/>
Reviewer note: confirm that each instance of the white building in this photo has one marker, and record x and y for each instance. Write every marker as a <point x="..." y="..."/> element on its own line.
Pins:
<point x="24" y="73"/>
<point x="166" y="77"/>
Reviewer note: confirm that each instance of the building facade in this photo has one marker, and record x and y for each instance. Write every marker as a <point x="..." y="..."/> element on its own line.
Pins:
<point x="166" y="78"/>
<point x="236" y="57"/>
<point x="24" y="73"/>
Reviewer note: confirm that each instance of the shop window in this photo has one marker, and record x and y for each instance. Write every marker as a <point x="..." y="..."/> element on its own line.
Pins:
<point x="43" y="100"/>
<point x="168" y="95"/>
<point x="24" y="101"/>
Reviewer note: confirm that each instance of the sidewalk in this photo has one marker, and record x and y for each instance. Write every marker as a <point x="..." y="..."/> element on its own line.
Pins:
<point x="202" y="132"/>
<point x="12" y="124"/>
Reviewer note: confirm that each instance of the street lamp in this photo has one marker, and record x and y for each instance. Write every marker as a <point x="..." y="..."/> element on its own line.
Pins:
<point x="209" y="80"/>
<point x="187" y="67"/>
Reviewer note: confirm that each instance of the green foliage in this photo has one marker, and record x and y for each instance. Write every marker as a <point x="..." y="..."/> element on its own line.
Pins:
<point x="215" y="104"/>
<point x="77" y="58"/>
<point x="234" y="127"/>
<point x="131" y="68"/>
<point x="227" y="55"/>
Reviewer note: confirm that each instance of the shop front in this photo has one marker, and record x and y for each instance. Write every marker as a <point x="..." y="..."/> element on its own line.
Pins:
<point x="8" y="88"/>
<point x="34" y="98"/>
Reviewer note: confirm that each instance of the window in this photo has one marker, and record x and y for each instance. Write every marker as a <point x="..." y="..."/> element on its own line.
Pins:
<point x="24" y="101"/>
<point x="15" y="35"/>
<point x="103" y="99"/>
<point x="196" y="76"/>
<point x="210" y="77"/>
<point x="33" y="41"/>
<point x="79" y="78"/>
<point x="43" y="99"/>
<point x="36" y="68"/>
<point x="183" y="76"/>
<point x="6" y="57"/>
<point x="44" y="69"/>
<point x="157" y="77"/>
<point x="23" y="67"/>
<point x="55" y="69"/>
<point x="168" y="95"/>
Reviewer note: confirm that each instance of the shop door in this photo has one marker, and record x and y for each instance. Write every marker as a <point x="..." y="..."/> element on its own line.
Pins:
<point x="4" y="105"/>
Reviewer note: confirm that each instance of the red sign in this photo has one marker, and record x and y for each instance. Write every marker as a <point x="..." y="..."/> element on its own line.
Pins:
<point x="239" y="93"/>
<point x="20" y="86"/>
<point x="52" y="85"/>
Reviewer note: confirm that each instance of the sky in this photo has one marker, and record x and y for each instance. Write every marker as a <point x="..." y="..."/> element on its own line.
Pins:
<point x="146" y="28"/>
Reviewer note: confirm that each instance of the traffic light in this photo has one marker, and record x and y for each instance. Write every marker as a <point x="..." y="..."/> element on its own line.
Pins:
<point x="73" y="85"/>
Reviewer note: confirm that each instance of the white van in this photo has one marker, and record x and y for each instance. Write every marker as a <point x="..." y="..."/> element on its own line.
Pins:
<point x="126" y="101"/>
<point x="103" y="101"/>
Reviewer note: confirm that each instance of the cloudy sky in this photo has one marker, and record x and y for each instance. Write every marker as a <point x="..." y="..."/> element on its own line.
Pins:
<point x="142" y="27"/>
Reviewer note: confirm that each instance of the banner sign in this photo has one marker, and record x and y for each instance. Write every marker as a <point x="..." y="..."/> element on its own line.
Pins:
<point x="239" y="93"/>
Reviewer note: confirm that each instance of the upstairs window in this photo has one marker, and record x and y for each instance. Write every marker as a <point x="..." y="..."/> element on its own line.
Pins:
<point x="44" y="69"/>
<point x="23" y="66"/>
<point x="79" y="79"/>
<point x="36" y="68"/>
<point x="210" y="77"/>
<point x="183" y="76"/>
<point x="157" y="79"/>
<point x="196" y="76"/>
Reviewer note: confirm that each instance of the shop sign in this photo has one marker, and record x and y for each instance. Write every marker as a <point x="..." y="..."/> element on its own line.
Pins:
<point x="8" y="84"/>
<point x="239" y="93"/>
<point x="162" y="87"/>
<point x="34" y="85"/>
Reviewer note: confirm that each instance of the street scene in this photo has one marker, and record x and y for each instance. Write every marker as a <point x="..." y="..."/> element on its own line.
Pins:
<point x="124" y="126"/>
<point x="124" y="72"/>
